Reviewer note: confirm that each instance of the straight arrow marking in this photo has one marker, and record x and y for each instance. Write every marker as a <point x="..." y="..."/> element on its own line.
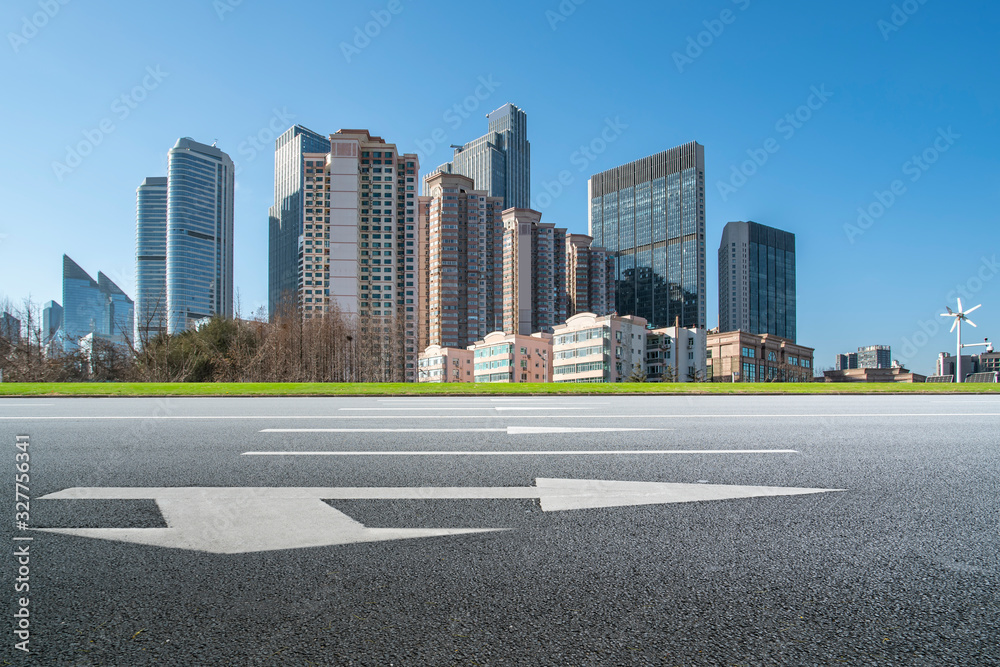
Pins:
<point x="246" y="519"/>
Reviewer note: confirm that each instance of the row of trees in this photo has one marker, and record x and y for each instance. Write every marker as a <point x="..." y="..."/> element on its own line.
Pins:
<point x="288" y="348"/>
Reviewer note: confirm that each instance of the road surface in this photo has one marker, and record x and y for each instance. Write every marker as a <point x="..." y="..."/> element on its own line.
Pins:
<point x="856" y="530"/>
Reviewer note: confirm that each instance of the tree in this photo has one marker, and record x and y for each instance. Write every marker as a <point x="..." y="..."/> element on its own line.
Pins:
<point x="638" y="374"/>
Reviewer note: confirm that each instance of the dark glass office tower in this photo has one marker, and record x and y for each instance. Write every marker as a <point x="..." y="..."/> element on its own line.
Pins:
<point x="498" y="162"/>
<point x="286" y="215"/>
<point x="757" y="280"/>
<point x="651" y="215"/>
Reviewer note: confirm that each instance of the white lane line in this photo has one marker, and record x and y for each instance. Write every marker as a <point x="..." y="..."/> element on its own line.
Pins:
<point x="383" y="430"/>
<point x="524" y="430"/>
<point x="510" y="430"/>
<point x="623" y="415"/>
<point x="567" y="452"/>
<point x="479" y="407"/>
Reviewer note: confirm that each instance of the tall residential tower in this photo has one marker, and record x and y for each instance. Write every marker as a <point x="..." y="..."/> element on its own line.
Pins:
<point x="460" y="256"/>
<point x="651" y="215"/>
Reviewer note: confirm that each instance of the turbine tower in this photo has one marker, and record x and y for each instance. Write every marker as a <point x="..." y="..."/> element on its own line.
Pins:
<point x="960" y="316"/>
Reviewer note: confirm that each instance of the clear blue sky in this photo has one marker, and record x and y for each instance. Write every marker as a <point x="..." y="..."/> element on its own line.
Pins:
<point x="225" y="70"/>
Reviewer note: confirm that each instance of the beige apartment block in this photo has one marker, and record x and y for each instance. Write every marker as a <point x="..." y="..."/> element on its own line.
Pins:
<point x="590" y="277"/>
<point x="534" y="272"/>
<point x="460" y="263"/>
<point x="738" y="356"/>
<point x="445" y="364"/>
<point x="358" y="246"/>
<point x="593" y="348"/>
<point x="507" y="357"/>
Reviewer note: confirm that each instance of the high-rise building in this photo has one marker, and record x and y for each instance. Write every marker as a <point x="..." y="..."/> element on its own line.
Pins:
<point x="97" y="307"/>
<point x="151" y="259"/>
<point x="359" y="239"/>
<point x="757" y="280"/>
<point x="199" y="264"/>
<point x="873" y="356"/>
<point x="534" y="273"/>
<point x="52" y="320"/>
<point x="10" y="328"/>
<point x="590" y="277"/>
<point x="847" y="361"/>
<point x="651" y="215"/>
<point x="287" y="216"/>
<point x="499" y="162"/>
<point x="460" y="258"/>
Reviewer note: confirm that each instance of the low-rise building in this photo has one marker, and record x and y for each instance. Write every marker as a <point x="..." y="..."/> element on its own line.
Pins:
<point x="738" y="356"/>
<point x="592" y="348"/>
<point x="445" y="364"/>
<point x="507" y="357"/>
<point x="986" y="362"/>
<point x="676" y="354"/>
<point x="894" y="374"/>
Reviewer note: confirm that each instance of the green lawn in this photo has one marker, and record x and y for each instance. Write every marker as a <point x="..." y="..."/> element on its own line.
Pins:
<point x="400" y="389"/>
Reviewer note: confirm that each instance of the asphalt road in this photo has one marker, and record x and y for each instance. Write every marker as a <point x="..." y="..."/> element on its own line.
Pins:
<point x="899" y="567"/>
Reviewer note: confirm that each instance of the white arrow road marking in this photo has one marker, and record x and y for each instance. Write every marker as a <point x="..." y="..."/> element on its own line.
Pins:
<point x="565" y="452"/>
<point x="245" y="519"/>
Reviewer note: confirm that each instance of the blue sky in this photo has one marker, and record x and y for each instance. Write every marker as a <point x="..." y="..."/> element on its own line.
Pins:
<point x="887" y="82"/>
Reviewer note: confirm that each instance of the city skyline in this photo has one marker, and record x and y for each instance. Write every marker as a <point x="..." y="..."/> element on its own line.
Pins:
<point x="852" y="163"/>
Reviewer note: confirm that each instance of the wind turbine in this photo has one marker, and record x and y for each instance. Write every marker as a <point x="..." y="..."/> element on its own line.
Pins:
<point x="960" y="316"/>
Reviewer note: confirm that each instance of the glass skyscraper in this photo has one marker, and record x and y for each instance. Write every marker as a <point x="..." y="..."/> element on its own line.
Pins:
<point x="151" y="259"/>
<point x="200" y="185"/>
<point x="498" y="162"/>
<point x="285" y="220"/>
<point x="757" y="280"/>
<point x="52" y="319"/>
<point x="651" y="215"/>
<point x="93" y="306"/>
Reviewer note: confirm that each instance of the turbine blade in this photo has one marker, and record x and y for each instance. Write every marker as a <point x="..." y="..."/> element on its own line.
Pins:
<point x="959" y="305"/>
<point x="970" y="322"/>
<point x="947" y="314"/>
<point x="973" y="308"/>
<point x="954" y="325"/>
